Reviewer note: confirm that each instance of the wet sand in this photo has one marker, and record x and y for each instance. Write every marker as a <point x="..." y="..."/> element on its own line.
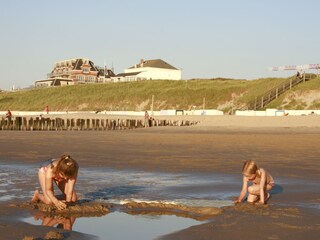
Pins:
<point x="287" y="152"/>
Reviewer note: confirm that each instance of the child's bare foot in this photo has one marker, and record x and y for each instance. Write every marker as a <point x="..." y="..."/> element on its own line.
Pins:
<point x="265" y="201"/>
<point x="268" y="197"/>
<point x="35" y="197"/>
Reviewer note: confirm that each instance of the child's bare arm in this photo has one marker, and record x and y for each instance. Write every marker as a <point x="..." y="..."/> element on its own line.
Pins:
<point x="49" y="191"/>
<point x="243" y="190"/>
<point x="70" y="189"/>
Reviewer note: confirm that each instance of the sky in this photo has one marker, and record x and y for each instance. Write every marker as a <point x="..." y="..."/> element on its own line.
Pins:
<point x="205" y="38"/>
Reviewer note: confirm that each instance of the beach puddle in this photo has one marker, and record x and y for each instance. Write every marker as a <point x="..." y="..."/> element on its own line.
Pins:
<point x="119" y="226"/>
<point x="127" y="219"/>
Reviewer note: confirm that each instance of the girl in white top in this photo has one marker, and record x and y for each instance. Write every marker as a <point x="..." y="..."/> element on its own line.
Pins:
<point x="261" y="180"/>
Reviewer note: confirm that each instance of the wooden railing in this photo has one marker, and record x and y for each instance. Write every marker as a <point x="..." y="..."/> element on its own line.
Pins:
<point x="274" y="93"/>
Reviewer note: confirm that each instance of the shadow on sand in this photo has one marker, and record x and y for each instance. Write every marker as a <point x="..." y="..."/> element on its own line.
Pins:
<point x="276" y="189"/>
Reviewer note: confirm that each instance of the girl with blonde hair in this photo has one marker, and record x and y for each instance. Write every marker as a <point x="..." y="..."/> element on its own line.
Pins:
<point x="63" y="172"/>
<point x="261" y="180"/>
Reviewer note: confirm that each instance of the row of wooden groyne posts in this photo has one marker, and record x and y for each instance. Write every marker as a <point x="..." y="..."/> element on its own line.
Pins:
<point x="70" y="124"/>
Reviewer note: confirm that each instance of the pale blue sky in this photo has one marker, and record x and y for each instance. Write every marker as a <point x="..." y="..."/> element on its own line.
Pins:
<point x="204" y="38"/>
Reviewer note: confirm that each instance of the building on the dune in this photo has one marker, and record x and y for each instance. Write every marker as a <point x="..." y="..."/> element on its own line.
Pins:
<point x="149" y="70"/>
<point x="75" y="71"/>
<point x="84" y="71"/>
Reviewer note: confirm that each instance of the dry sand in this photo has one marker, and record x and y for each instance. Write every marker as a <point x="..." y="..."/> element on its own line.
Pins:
<point x="286" y="146"/>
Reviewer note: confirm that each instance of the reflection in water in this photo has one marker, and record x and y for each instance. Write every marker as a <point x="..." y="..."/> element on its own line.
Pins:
<point x="119" y="226"/>
<point x="65" y="223"/>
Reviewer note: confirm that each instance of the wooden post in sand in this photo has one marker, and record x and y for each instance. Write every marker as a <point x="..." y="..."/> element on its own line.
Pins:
<point x="83" y="124"/>
<point x="31" y="124"/>
<point x="38" y="125"/>
<point x="102" y="124"/>
<point x="59" y="124"/>
<point x="73" y="123"/>
<point x="24" y="124"/>
<point x="68" y="124"/>
<point x="78" y="124"/>
<point x="48" y="123"/>
<point x="87" y="124"/>
<point x="99" y="124"/>
<point x="107" y="124"/>
<point x="1" y="123"/>
<point x="97" y="121"/>
<point x="93" y="124"/>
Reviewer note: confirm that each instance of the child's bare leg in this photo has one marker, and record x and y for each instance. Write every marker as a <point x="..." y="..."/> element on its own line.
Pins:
<point x="252" y="198"/>
<point x="268" y="188"/>
<point x="35" y="197"/>
<point x="254" y="193"/>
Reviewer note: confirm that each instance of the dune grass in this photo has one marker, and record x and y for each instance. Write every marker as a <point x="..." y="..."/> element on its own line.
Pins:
<point x="303" y="96"/>
<point x="138" y="95"/>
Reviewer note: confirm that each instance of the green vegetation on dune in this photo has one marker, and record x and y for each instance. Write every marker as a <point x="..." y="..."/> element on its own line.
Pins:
<point x="137" y="96"/>
<point x="303" y="96"/>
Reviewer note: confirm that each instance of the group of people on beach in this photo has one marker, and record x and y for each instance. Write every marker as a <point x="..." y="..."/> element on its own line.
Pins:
<point x="257" y="182"/>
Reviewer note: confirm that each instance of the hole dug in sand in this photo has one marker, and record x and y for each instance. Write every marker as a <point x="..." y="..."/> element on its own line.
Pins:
<point x="65" y="219"/>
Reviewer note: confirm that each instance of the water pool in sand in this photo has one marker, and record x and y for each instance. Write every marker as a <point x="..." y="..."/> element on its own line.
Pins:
<point x="119" y="226"/>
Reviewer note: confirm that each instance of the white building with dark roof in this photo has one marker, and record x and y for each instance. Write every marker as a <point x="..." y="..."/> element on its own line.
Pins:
<point x="156" y="69"/>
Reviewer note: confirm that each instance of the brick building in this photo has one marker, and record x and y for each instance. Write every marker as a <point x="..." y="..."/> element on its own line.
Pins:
<point x="74" y="71"/>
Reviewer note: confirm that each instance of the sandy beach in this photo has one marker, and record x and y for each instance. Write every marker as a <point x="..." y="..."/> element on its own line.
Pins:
<point x="286" y="146"/>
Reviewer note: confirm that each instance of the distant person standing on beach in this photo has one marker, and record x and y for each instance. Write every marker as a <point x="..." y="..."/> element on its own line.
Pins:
<point x="46" y="109"/>
<point x="146" y="119"/>
<point x="9" y="116"/>
<point x="262" y="182"/>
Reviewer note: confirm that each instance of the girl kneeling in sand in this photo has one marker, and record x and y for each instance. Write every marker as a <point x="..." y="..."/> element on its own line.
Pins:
<point x="63" y="172"/>
<point x="262" y="182"/>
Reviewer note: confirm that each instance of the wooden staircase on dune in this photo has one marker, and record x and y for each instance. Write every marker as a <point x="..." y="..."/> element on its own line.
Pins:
<point x="261" y="101"/>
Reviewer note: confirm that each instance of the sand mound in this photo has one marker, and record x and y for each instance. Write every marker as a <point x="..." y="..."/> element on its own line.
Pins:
<point x="50" y="235"/>
<point x="94" y="209"/>
<point x="156" y="208"/>
<point x="80" y="209"/>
